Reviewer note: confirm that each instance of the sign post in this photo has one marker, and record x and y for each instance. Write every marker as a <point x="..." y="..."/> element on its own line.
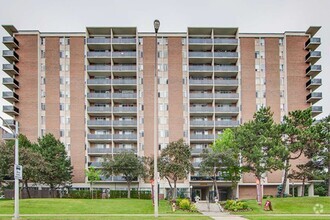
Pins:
<point x="18" y="172"/>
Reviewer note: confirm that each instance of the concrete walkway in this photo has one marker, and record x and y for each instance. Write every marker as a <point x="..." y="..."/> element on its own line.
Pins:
<point x="213" y="210"/>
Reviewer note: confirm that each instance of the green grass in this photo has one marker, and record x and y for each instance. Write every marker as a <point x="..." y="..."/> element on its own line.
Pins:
<point x="96" y="206"/>
<point x="297" y="205"/>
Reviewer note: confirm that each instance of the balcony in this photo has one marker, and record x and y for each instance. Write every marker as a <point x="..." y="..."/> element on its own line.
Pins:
<point x="205" y="69"/>
<point x="313" y="83"/>
<point x="120" y="111"/>
<point x="10" y="96"/>
<point x="196" y="164"/>
<point x="200" y="57"/>
<point x="122" y="179"/>
<point x="98" y="124"/>
<point x="10" y="42"/>
<point x="313" y="70"/>
<point x="226" y="111"/>
<point x="99" y="111"/>
<point x="124" y="43"/>
<point x="10" y="69"/>
<point x="125" y="137"/>
<point x="124" y="82"/>
<point x="124" y="95"/>
<point x="201" y="95"/>
<point x="312" y="57"/>
<point x="202" y="124"/>
<point x="196" y="151"/>
<point x="124" y="57"/>
<point x="200" y="82"/>
<point x="316" y="110"/>
<point x="9" y="123"/>
<point x="228" y="44"/>
<point x="226" y="124"/>
<point x="103" y="84"/>
<point x="99" y="150"/>
<point x="98" y="43"/>
<point x="201" y="110"/>
<point x="200" y="44"/>
<point x="121" y="150"/>
<point x="124" y="68"/>
<point x="95" y="164"/>
<point x="225" y="57"/>
<point x="225" y="70"/>
<point x="314" y="97"/>
<point x="10" y="110"/>
<point x="205" y="178"/>
<point x="10" y="56"/>
<point x="10" y="83"/>
<point x="99" y="70"/>
<point x="226" y="97"/>
<point x="231" y="84"/>
<point x="99" y="57"/>
<point x="104" y="178"/>
<point x="201" y="137"/>
<point x="312" y="43"/>
<point x="99" y="97"/>
<point x="200" y="41"/>
<point x="99" y="138"/>
<point x="124" y="124"/>
<point x="8" y="136"/>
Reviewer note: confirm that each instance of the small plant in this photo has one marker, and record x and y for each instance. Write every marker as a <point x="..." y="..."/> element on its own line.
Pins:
<point x="235" y="206"/>
<point x="184" y="204"/>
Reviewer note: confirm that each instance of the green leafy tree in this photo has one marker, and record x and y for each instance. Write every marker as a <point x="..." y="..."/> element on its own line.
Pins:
<point x="126" y="164"/>
<point x="58" y="170"/>
<point x="230" y="152"/>
<point x="175" y="164"/>
<point x="260" y="145"/>
<point x="6" y="163"/>
<point x="297" y="136"/>
<point x="303" y="172"/>
<point x="93" y="175"/>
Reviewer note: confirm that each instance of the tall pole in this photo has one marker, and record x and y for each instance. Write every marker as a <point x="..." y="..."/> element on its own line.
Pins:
<point x="156" y="26"/>
<point x="16" y="214"/>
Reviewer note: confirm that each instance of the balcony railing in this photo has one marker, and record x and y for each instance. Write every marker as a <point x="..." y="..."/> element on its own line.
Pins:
<point x="314" y="96"/>
<point x="98" y="40"/>
<point x="124" y="95"/>
<point x="314" y="83"/>
<point x="123" y="40"/>
<point x="202" y="68"/>
<point x="98" y="68"/>
<point x="121" y="150"/>
<point x="202" y="136"/>
<point x="201" y="109"/>
<point x="124" y="123"/>
<point x="98" y="123"/>
<point x="99" y="137"/>
<point x="99" y="54"/>
<point x="124" y="68"/>
<point x="10" y="95"/>
<point x="232" y="82"/>
<point x="226" y="95"/>
<point x="196" y="164"/>
<point x="226" y="123"/>
<point x="124" y="82"/>
<point x="202" y="123"/>
<point x="124" y="137"/>
<point x="205" y="178"/>
<point x="99" y="150"/>
<point x="227" y="109"/>
<point x="200" y="81"/>
<point x="98" y="109"/>
<point x="200" y="41"/>
<point x="313" y="70"/>
<point x="10" y="81"/>
<point x="200" y="54"/>
<point x="121" y="179"/>
<point x="98" y="95"/>
<point x="98" y="81"/>
<point x="96" y="164"/>
<point x="196" y="150"/>
<point x="123" y="54"/>
<point x="312" y="43"/>
<point x="9" y="109"/>
<point x="8" y="136"/>
<point x="317" y="108"/>
<point x="201" y="95"/>
<point x="11" y="42"/>
<point x="125" y="109"/>
<point x="225" y="54"/>
<point x="313" y="56"/>
<point x="9" y="122"/>
<point x="10" y="55"/>
<point x="225" y="41"/>
<point x="225" y="68"/>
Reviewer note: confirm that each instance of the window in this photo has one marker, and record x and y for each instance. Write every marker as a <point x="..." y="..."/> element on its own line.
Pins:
<point x="67" y="80"/>
<point x="43" y="93"/>
<point x="61" y="80"/>
<point x="61" y="94"/>
<point x="162" y="94"/>
<point x="262" y="41"/>
<point x="61" y="54"/>
<point x="42" y="54"/>
<point x="280" y="41"/>
<point x="140" y="41"/>
<point x="184" y="67"/>
<point x="43" y="80"/>
<point x="42" y="41"/>
<point x="257" y="67"/>
<point x="281" y="67"/>
<point x="257" y="54"/>
<point x="43" y="106"/>
<point x="140" y="67"/>
<point x="62" y="106"/>
<point x="61" y="133"/>
<point x="62" y="120"/>
<point x="67" y="120"/>
<point x="262" y="67"/>
<point x="262" y="54"/>
<point x="184" y="41"/>
<point x="67" y="54"/>
<point x="42" y="120"/>
<point x="281" y="54"/>
<point x="42" y="67"/>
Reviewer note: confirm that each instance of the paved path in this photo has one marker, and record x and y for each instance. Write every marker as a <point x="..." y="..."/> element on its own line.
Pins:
<point x="213" y="210"/>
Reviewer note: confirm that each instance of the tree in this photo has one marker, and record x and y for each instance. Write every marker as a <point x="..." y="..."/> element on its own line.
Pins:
<point x="260" y="145"/>
<point x="126" y="164"/>
<point x="58" y="170"/>
<point x="304" y="172"/>
<point x="227" y="145"/>
<point x="92" y="175"/>
<point x="296" y="137"/>
<point x="6" y="163"/>
<point x="175" y="164"/>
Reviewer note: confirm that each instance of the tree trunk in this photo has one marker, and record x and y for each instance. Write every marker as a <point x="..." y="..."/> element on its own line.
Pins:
<point x="234" y="190"/>
<point x="91" y="189"/>
<point x="169" y="183"/>
<point x="285" y="179"/>
<point x="259" y="191"/>
<point x="216" y="186"/>
<point x="175" y="191"/>
<point x="27" y="188"/>
<point x="303" y="188"/>
<point x="129" y="189"/>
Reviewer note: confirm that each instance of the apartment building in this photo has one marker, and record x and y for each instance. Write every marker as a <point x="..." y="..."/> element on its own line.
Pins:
<point x="94" y="90"/>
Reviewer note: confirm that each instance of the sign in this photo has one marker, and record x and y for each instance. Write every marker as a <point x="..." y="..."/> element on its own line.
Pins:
<point x="18" y="172"/>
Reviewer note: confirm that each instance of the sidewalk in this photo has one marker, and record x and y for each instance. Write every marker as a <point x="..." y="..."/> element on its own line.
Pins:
<point x="223" y="216"/>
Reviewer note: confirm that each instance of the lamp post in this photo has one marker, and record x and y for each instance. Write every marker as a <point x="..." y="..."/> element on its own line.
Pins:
<point x="156" y="26"/>
<point x="15" y="133"/>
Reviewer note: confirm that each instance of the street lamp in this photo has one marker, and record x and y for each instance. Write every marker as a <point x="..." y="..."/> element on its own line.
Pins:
<point x="156" y="26"/>
<point x="16" y="166"/>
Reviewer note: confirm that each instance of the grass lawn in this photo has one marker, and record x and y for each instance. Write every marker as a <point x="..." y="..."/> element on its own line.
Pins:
<point x="289" y="206"/>
<point x="96" y="206"/>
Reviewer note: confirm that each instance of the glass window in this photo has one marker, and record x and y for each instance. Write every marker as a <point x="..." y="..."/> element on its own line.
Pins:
<point x="42" y="54"/>
<point x="43" y="106"/>
<point x="257" y="54"/>
<point x="42" y="41"/>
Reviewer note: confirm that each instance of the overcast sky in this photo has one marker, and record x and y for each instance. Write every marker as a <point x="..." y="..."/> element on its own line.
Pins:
<point x="256" y="16"/>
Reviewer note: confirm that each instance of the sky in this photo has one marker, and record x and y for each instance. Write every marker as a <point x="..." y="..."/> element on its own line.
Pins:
<point x="253" y="16"/>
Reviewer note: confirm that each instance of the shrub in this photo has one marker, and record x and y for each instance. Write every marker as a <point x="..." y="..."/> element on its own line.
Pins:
<point x="235" y="206"/>
<point x="184" y="204"/>
<point x="267" y="196"/>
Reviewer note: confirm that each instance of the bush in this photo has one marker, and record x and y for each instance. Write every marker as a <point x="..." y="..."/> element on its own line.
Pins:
<point x="235" y="206"/>
<point x="267" y="196"/>
<point x="184" y="204"/>
<point x="85" y="194"/>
